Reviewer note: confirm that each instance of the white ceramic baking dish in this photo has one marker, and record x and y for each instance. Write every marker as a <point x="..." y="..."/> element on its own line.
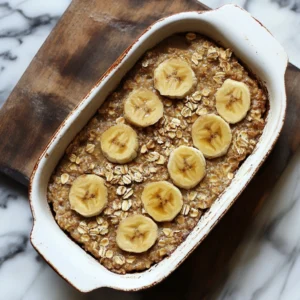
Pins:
<point x="255" y="46"/>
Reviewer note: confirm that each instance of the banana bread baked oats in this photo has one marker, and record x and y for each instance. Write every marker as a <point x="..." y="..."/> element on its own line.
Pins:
<point x="160" y="150"/>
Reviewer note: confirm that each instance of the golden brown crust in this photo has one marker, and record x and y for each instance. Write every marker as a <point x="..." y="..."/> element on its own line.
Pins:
<point x="212" y="65"/>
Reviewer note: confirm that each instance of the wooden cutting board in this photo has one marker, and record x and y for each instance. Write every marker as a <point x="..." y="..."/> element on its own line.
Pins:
<point x="86" y="41"/>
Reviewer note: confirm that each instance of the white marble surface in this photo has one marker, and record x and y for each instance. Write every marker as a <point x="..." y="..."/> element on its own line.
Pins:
<point x="267" y="265"/>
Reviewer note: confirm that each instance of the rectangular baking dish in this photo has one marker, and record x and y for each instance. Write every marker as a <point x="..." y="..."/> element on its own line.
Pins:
<point x="256" y="47"/>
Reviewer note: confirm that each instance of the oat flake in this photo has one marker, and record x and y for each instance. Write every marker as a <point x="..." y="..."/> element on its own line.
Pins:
<point x="64" y="178"/>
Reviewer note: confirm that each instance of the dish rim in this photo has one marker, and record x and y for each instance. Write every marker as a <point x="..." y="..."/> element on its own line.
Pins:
<point x="114" y="66"/>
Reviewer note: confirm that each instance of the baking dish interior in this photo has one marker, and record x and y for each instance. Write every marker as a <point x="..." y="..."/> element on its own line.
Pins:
<point x="256" y="47"/>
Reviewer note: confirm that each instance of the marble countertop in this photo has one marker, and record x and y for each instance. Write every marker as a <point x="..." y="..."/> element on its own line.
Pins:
<point x="267" y="263"/>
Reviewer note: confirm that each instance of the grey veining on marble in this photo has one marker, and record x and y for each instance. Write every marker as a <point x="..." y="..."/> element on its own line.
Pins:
<point x="24" y="26"/>
<point x="267" y="264"/>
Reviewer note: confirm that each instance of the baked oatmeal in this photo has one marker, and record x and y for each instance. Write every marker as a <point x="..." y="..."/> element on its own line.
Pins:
<point x="160" y="150"/>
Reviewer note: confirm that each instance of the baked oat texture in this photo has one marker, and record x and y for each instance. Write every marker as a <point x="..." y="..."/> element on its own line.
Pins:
<point x="212" y="65"/>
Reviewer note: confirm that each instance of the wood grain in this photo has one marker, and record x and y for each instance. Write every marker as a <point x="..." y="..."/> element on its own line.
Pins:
<point x="86" y="41"/>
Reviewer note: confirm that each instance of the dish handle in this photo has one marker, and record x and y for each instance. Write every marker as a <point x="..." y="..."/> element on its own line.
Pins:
<point x="66" y="259"/>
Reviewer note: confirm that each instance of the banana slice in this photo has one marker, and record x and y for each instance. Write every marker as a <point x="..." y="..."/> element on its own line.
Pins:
<point x="233" y="101"/>
<point x="143" y="108"/>
<point x="211" y="135"/>
<point x="186" y="167"/>
<point x="119" y="143"/>
<point x="136" y="234"/>
<point x="162" y="200"/>
<point x="88" y="195"/>
<point x="174" y="78"/>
